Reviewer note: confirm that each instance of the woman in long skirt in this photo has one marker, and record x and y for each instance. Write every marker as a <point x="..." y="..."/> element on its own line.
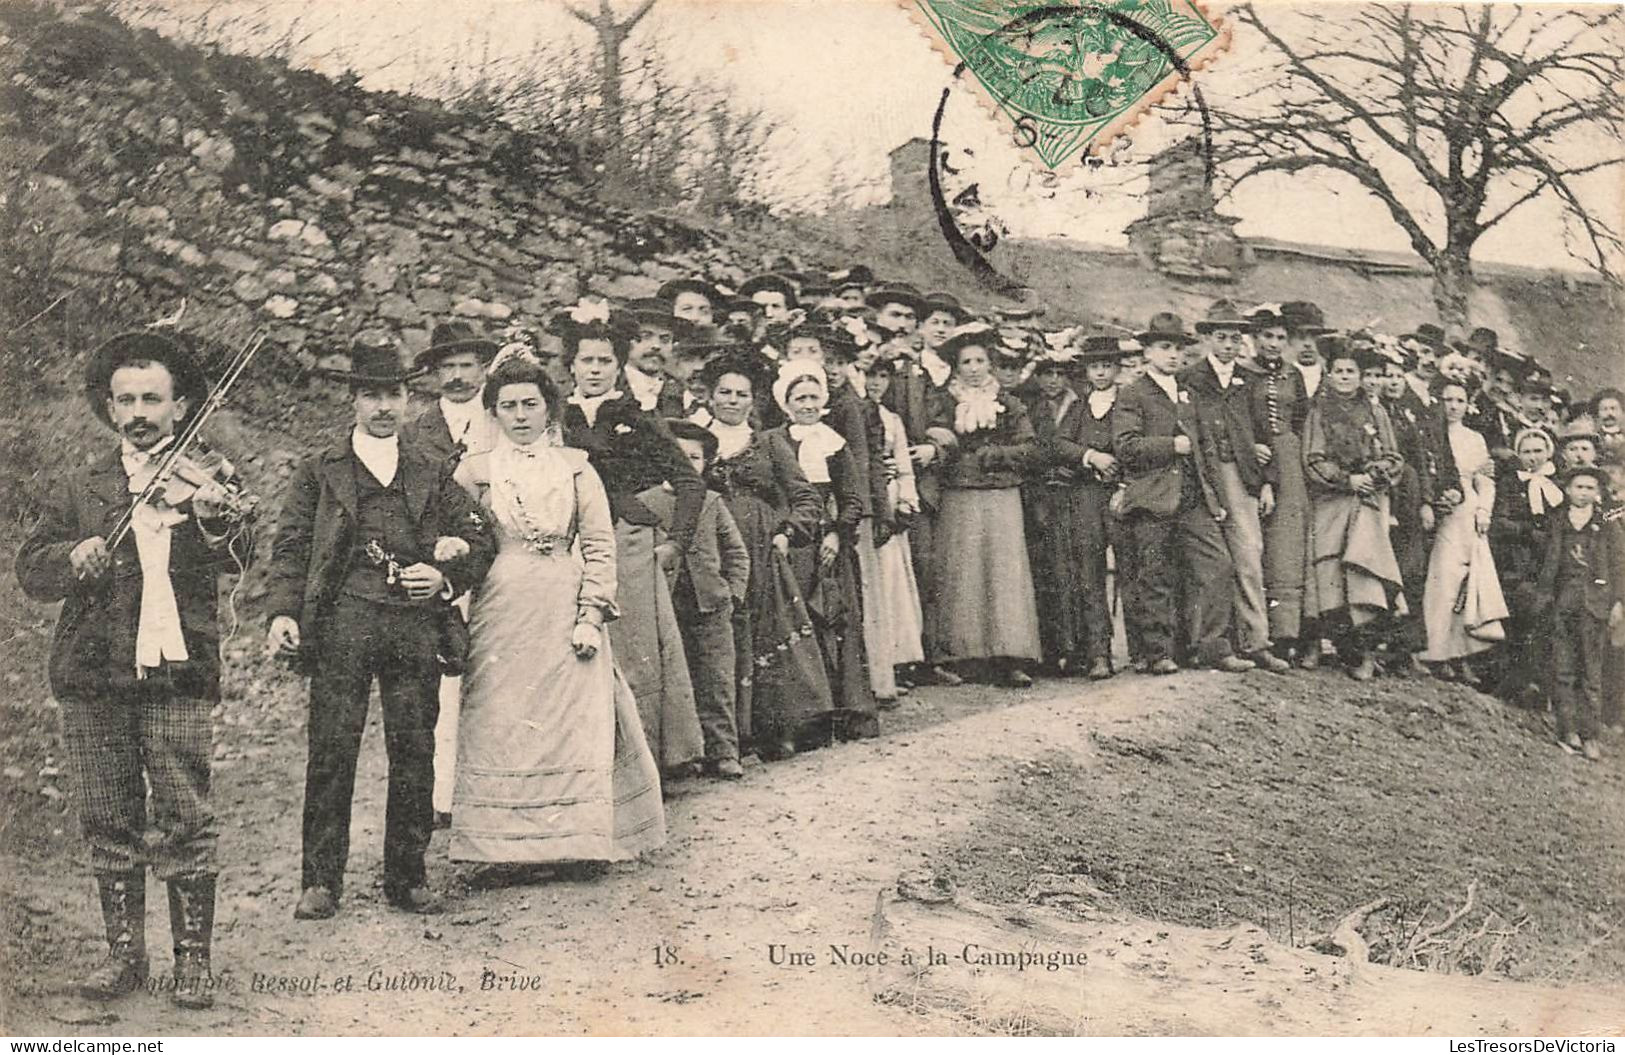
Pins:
<point x="828" y="570"/>
<point x="1462" y="605"/>
<point x="1351" y="462"/>
<point x="897" y="591"/>
<point x="984" y="609"/>
<point x="552" y="762"/>
<point x="632" y="452"/>
<point x="782" y="688"/>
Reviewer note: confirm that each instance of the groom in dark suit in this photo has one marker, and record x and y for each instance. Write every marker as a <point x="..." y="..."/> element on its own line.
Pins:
<point x="356" y="593"/>
<point x="1172" y="509"/>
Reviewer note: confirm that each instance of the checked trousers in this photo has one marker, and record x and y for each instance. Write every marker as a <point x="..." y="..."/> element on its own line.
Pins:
<point x="119" y="745"/>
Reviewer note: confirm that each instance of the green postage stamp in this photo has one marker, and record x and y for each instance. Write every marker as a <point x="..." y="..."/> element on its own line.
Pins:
<point x="1071" y="75"/>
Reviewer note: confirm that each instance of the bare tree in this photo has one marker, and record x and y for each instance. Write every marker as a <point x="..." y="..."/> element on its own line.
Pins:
<point x="612" y="34"/>
<point x="1454" y="117"/>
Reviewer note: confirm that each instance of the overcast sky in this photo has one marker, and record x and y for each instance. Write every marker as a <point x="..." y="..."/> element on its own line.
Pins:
<point x="849" y="80"/>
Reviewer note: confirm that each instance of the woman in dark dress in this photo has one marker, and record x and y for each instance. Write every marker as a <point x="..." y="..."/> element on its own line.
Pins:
<point x="631" y="451"/>
<point x="1525" y="498"/>
<point x="782" y="685"/>
<point x="828" y="569"/>
<point x="984" y="609"/>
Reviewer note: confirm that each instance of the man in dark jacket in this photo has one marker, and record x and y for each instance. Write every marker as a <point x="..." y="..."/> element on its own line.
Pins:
<point x="1172" y="508"/>
<point x="135" y="660"/>
<point x="359" y="590"/>
<point x="1246" y="471"/>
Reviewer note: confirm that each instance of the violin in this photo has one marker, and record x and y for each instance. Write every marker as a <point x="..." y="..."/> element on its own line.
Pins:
<point x="189" y="465"/>
<point x="197" y="468"/>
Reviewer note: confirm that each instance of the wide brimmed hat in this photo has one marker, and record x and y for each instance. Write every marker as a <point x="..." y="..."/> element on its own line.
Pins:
<point x="652" y="311"/>
<point x="1482" y="342"/>
<point x="770" y="283"/>
<point x="946" y="303"/>
<point x="668" y="292"/>
<point x="896" y="293"/>
<point x="977" y="333"/>
<point x="1428" y="334"/>
<point x="455" y="338"/>
<point x="1264" y="316"/>
<point x="1165" y="326"/>
<point x="1302" y="316"/>
<point x="174" y="350"/>
<point x="1224" y="315"/>
<point x="374" y="364"/>
<point x="857" y="276"/>
<point x="1104" y="348"/>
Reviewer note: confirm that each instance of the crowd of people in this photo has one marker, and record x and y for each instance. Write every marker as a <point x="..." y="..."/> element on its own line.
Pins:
<point x="716" y="523"/>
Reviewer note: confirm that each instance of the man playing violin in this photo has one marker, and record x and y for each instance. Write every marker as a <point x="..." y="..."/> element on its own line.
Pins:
<point x="135" y="660"/>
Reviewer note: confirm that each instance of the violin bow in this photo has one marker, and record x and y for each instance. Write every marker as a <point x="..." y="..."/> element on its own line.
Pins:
<point x="189" y="432"/>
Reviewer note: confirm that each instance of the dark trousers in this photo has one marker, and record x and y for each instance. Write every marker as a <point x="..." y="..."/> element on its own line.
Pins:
<point x="1579" y="642"/>
<point x="361" y="641"/>
<point x="708" y="642"/>
<point x="119" y="745"/>
<point x="1186" y="551"/>
<point x="1124" y="560"/>
<point x="921" y="532"/>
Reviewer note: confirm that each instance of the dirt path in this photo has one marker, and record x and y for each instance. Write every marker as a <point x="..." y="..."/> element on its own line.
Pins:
<point x="794" y="855"/>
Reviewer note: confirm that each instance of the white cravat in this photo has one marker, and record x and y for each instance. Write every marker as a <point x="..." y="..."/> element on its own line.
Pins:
<point x="463" y="420"/>
<point x="935" y="367"/>
<point x="1101" y="402"/>
<point x="1543" y="493"/>
<point x="1223" y="371"/>
<point x="380" y="454"/>
<point x="1311" y="377"/>
<point x="158" y="635"/>
<point x="1167" y="382"/>
<point x="589" y="404"/>
<point x="645" y="389"/>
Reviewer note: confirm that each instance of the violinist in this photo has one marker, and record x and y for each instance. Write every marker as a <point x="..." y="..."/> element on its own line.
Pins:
<point x="135" y="662"/>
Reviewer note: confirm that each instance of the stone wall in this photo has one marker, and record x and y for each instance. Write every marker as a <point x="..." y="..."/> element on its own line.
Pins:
<point x="324" y="212"/>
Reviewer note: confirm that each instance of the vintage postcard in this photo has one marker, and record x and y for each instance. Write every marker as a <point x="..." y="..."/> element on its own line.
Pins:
<point x="772" y="517"/>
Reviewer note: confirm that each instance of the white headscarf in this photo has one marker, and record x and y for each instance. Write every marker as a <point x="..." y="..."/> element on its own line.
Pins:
<point x="816" y="443"/>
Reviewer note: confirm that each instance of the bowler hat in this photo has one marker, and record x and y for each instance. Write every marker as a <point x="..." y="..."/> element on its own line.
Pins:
<point x="1583" y="427"/>
<point x="374" y="364"/>
<point x="1302" y="316"/>
<point x="1264" y="316"/>
<point x="454" y="338"/>
<point x="1223" y="315"/>
<point x="652" y="311"/>
<point x="173" y="350"/>
<point x="895" y="293"/>
<point x="1165" y="326"/>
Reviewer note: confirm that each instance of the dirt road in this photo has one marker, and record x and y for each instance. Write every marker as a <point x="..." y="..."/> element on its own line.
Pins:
<point x="696" y="938"/>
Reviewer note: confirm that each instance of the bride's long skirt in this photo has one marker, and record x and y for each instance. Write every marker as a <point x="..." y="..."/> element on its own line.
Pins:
<point x="552" y="763"/>
<point x="1462" y="603"/>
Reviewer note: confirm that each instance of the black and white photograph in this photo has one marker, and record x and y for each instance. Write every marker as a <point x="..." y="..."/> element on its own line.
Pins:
<point x="741" y="518"/>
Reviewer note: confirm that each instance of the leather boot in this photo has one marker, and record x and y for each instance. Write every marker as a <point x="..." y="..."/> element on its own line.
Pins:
<point x="124" y="911"/>
<point x="191" y="923"/>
